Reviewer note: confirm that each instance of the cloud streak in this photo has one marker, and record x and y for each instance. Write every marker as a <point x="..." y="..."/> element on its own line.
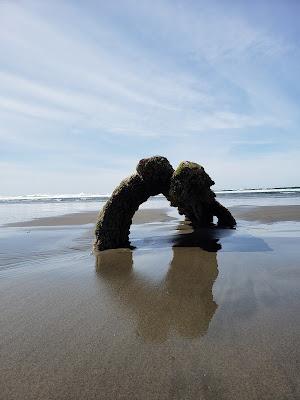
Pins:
<point x="122" y="82"/>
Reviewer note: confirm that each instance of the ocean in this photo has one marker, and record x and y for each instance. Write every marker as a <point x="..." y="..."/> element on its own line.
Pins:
<point x="25" y="208"/>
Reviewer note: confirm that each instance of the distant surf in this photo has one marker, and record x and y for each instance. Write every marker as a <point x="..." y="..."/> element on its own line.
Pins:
<point x="87" y="197"/>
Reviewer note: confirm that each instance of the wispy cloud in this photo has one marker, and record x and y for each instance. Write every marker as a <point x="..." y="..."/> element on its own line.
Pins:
<point x="124" y="81"/>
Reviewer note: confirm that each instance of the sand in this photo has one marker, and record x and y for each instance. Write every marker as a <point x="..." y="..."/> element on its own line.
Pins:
<point x="267" y="214"/>
<point x="89" y="217"/>
<point x="159" y="322"/>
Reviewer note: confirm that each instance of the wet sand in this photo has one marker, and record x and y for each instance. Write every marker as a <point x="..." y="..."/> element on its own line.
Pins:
<point x="89" y="217"/>
<point x="187" y="315"/>
<point x="264" y="214"/>
<point x="267" y="214"/>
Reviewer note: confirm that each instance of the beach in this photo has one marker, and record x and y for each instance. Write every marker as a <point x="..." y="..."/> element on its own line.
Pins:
<point x="149" y="200"/>
<point x="212" y="314"/>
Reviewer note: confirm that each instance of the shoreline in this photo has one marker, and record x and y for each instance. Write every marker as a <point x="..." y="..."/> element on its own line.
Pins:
<point x="142" y="216"/>
<point x="261" y="214"/>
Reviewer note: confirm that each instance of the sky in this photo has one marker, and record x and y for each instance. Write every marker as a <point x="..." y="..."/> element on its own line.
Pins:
<point x="87" y="88"/>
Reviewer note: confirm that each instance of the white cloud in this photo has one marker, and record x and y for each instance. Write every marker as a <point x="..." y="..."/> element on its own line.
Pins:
<point x="165" y="71"/>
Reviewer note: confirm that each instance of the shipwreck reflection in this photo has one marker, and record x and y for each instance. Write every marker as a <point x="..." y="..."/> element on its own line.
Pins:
<point x="179" y="303"/>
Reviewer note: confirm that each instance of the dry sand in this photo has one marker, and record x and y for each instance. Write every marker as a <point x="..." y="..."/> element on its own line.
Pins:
<point x="89" y="217"/>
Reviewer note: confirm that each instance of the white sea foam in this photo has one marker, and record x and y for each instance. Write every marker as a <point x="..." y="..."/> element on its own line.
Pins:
<point x="53" y="197"/>
<point x="45" y="197"/>
<point x="268" y="190"/>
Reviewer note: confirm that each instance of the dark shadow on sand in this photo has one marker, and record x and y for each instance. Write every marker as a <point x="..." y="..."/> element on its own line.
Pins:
<point x="209" y="239"/>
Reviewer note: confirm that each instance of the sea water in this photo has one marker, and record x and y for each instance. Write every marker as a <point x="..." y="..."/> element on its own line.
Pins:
<point x="25" y="208"/>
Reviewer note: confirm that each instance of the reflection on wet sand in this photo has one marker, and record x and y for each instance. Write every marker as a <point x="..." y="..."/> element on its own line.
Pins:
<point x="181" y="302"/>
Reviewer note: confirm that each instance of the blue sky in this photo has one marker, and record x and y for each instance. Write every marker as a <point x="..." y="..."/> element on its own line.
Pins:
<point x="89" y="88"/>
